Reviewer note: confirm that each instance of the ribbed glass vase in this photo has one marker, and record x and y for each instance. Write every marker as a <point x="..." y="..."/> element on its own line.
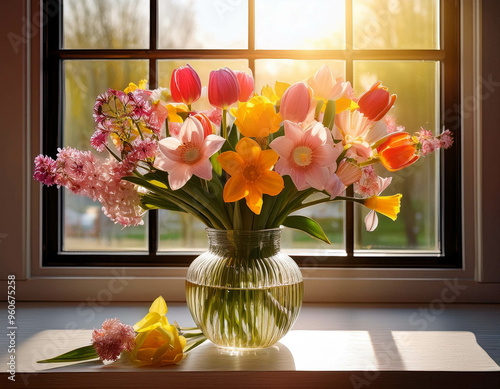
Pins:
<point x="244" y="292"/>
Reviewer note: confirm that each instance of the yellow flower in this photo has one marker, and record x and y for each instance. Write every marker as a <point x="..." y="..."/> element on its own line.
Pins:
<point x="132" y="87"/>
<point x="344" y="103"/>
<point x="386" y="205"/>
<point x="274" y="95"/>
<point x="158" y="342"/>
<point x="257" y="117"/>
<point x="251" y="175"/>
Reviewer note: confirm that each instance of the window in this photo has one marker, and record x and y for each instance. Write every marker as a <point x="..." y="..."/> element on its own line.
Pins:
<point x="412" y="46"/>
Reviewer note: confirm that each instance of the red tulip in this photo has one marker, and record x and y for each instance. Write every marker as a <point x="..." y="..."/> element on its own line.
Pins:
<point x="376" y="102"/>
<point x="206" y="123"/>
<point x="397" y="152"/>
<point x="223" y="88"/>
<point x="296" y="103"/>
<point x="185" y="85"/>
<point x="245" y="82"/>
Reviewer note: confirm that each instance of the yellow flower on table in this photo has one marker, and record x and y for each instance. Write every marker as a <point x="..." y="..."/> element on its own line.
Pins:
<point x="158" y="342"/>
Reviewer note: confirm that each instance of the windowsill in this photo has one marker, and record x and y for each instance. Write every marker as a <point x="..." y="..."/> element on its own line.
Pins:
<point x="353" y="345"/>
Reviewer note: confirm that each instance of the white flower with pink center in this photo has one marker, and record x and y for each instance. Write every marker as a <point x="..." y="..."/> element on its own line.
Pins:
<point x="188" y="154"/>
<point x="305" y="155"/>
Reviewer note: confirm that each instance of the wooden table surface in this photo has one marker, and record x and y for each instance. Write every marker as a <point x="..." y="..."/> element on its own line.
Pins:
<point x="331" y="345"/>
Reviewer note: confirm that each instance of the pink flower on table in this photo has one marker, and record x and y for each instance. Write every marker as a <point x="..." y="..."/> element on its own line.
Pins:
<point x="305" y="155"/>
<point x="188" y="154"/>
<point x="325" y="86"/>
<point x="223" y="88"/>
<point x="297" y="103"/>
<point x="246" y="84"/>
<point x="113" y="338"/>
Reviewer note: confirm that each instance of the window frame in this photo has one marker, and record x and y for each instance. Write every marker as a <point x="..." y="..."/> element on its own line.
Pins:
<point x="450" y="211"/>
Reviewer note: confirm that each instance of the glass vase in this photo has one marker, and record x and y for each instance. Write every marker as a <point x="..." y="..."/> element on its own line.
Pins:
<point x="244" y="292"/>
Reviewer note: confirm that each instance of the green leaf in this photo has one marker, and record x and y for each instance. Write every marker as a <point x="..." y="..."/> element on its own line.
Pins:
<point x="277" y="134"/>
<point x="215" y="164"/>
<point x="307" y="225"/>
<point x="233" y="136"/>
<point x="329" y="117"/>
<point x="79" y="354"/>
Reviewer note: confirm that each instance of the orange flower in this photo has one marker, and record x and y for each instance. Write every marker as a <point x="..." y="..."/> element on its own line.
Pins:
<point x="251" y="175"/>
<point x="397" y="152"/>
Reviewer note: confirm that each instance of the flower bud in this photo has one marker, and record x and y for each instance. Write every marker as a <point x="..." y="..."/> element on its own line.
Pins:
<point x="223" y="88"/>
<point x="376" y="102"/>
<point x="397" y="151"/>
<point x="185" y="85"/>
<point x="245" y="82"/>
<point x="296" y="103"/>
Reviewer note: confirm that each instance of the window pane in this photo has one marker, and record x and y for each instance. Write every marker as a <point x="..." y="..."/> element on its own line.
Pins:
<point x="396" y="24"/>
<point x="181" y="231"/>
<point x="268" y="71"/>
<point x="417" y="87"/>
<point x="106" y="24"/>
<point x="201" y="24"/>
<point x="203" y="68"/>
<point x="293" y="24"/>
<point x="85" y="226"/>
<point x="331" y="219"/>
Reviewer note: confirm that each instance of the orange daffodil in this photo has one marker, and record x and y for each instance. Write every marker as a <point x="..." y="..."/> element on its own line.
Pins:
<point x="251" y="175"/>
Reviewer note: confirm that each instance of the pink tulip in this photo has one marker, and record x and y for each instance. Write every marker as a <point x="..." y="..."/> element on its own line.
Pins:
<point x="245" y="82"/>
<point x="296" y="103"/>
<point x="223" y="88"/>
<point x="185" y="85"/>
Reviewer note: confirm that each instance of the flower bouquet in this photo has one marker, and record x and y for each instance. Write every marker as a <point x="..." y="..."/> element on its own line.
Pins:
<point x="243" y="168"/>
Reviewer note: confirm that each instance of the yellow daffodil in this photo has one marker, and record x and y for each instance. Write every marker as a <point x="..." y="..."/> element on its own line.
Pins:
<point x="343" y="104"/>
<point x="158" y="342"/>
<point x="386" y="205"/>
<point x="251" y="175"/>
<point x="132" y="87"/>
<point x="275" y="95"/>
<point x="257" y="117"/>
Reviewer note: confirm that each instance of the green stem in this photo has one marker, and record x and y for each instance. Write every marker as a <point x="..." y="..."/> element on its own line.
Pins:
<point x="113" y="154"/>
<point x="224" y="123"/>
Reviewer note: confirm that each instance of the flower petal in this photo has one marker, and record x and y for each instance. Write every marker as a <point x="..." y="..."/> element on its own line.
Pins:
<point x="178" y="177"/>
<point x="293" y="132"/>
<point x="159" y="306"/>
<point x="270" y="183"/>
<point x="282" y="146"/>
<point x="316" y="176"/>
<point x="268" y="159"/>
<point x="202" y="169"/>
<point x="371" y="221"/>
<point x="211" y="145"/>
<point x="248" y="149"/>
<point x="325" y="155"/>
<point x="254" y="200"/>
<point x="235" y="189"/>
<point x="231" y="162"/>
